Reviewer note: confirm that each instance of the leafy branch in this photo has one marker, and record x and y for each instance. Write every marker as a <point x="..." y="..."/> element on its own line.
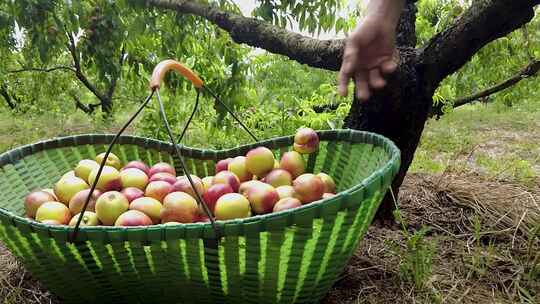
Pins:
<point x="78" y="70"/>
<point x="480" y="24"/>
<point x="528" y="71"/>
<point x="257" y="33"/>
<point x="105" y="98"/>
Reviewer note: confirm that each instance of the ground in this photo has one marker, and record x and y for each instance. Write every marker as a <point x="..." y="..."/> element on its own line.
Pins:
<point x="469" y="217"/>
<point x="484" y="252"/>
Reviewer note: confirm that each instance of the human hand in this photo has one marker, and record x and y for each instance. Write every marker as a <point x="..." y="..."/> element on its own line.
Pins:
<point x="370" y="54"/>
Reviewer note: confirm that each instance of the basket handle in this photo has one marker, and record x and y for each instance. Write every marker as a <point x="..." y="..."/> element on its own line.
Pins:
<point x="155" y="82"/>
<point x="165" y="66"/>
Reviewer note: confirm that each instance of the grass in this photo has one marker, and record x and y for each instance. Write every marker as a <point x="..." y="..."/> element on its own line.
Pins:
<point x="494" y="140"/>
<point x="25" y="129"/>
<point x="470" y="214"/>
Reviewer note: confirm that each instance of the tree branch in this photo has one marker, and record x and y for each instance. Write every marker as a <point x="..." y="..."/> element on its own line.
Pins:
<point x="88" y="109"/>
<point x="325" y="108"/>
<point x="482" y="23"/>
<point x="45" y="70"/>
<point x="78" y="71"/>
<point x="317" y="53"/>
<point x="5" y="94"/>
<point x="529" y="71"/>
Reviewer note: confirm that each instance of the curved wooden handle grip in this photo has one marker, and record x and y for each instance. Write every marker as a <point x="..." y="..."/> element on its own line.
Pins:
<point x="166" y="65"/>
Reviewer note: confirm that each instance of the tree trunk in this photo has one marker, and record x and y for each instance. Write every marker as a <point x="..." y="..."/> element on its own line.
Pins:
<point x="399" y="111"/>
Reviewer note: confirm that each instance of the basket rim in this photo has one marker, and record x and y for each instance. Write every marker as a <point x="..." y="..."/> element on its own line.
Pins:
<point x="378" y="179"/>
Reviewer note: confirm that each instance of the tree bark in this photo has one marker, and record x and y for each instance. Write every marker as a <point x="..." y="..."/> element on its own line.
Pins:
<point x="400" y="110"/>
<point x="399" y="113"/>
<point x="406" y="30"/>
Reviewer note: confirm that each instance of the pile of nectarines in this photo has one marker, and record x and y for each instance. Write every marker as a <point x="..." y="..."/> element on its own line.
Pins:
<point x="138" y="195"/>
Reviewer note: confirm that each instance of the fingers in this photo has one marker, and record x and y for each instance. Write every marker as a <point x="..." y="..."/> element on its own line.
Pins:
<point x="346" y="72"/>
<point x="365" y="80"/>
<point x="362" y="87"/>
<point x="368" y="72"/>
<point x="376" y="81"/>
<point x="343" y="83"/>
<point x="388" y="67"/>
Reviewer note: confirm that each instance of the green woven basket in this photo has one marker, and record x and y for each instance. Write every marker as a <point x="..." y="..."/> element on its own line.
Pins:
<point x="292" y="256"/>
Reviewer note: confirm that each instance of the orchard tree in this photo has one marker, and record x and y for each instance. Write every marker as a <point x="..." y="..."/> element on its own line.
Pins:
<point x="52" y="37"/>
<point x="100" y="43"/>
<point x="400" y="110"/>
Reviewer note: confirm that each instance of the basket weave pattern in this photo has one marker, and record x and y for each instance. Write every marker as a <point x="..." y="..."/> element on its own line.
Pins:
<point x="292" y="256"/>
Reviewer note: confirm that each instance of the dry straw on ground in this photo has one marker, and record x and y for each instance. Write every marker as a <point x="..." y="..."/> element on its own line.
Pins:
<point x="449" y="204"/>
<point x="503" y="207"/>
<point x="16" y="284"/>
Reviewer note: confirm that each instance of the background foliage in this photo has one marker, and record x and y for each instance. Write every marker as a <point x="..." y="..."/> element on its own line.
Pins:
<point x="117" y="41"/>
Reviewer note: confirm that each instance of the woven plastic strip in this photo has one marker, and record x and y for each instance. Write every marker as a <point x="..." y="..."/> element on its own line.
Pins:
<point x="292" y="256"/>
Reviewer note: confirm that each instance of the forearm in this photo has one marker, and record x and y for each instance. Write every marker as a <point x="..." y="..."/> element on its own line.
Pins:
<point x="390" y="10"/>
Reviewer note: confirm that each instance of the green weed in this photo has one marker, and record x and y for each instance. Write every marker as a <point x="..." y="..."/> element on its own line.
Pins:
<point x="416" y="258"/>
<point x="480" y="259"/>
